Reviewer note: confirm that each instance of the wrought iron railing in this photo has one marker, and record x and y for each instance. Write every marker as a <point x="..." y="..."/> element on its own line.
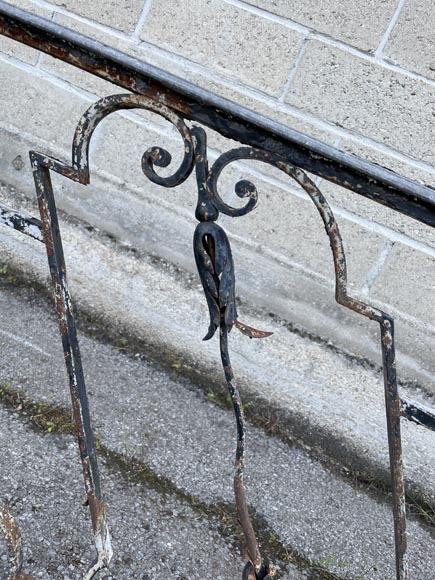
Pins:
<point x="264" y="140"/>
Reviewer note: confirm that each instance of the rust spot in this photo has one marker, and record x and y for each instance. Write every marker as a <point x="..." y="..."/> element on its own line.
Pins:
<point x="155" y="154"/>
<point x="13" y="541"/>
<point x="9" y="526"/>
<point x="157" y="92"/>
<point x="250" y="331"/>
<point x="96" y="507"/>
<point x="387" y="339"/>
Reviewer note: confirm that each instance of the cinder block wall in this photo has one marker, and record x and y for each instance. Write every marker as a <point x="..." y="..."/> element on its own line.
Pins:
<point x="357" y="75"/>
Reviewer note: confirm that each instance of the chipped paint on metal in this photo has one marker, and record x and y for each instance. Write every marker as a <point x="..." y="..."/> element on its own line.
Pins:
<point x="42" y="165"/>
<point x="12" y="536"/>
<point x="20" y="222"/>
<point x="153" y="156"/>
<point x="417" y="413"/>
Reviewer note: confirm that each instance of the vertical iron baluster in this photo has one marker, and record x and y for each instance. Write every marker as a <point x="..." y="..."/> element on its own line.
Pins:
<point x="239" y="492"/>
<point x="393" y="412"/>
<point x="56" y="262"/>
<point x="216" y="269"/>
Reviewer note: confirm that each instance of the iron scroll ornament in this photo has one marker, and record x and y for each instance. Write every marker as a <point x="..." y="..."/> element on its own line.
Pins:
<point x="392" y="400"/>
<point x="216" y="269"/>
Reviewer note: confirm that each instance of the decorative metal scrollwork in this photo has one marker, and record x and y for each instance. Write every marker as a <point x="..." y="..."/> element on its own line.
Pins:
<point x="79" y="171"/>
<point x="216" y="270"/>
<point x="154" y="156"/>
<point x="215" y="265"/>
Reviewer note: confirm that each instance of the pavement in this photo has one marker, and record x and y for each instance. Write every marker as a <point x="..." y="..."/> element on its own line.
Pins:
<point x="317" y="465"/>
<point x="326" y="521"/>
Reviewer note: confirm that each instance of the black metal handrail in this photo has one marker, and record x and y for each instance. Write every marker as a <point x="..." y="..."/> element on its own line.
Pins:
<point x="264" y="140"/>
<point x="228" y="118"/>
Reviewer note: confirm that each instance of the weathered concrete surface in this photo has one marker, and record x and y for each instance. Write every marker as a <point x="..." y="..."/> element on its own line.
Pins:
<point x="154" y="535"/>
<point x="316" y="391"/>
<point x="120" y="15"/>
<point x="406" y="127"/>
<point x="358" y="25"/>
<point x="162" y="419"/>
<point x="198" y="33"/>
<point x="412" y="43"/>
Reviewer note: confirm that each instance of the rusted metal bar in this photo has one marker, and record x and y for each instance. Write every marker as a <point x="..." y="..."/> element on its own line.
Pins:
<point x="12" y="536"/>
<point x="56" y="262"/>
<point x="418" y="413"/>
<point x="255" y="568"/>
<point x="242" y="509"/>
<point x="228" y="118"/>
<point x="393" y="412"/>
<point x="24" y="224"/>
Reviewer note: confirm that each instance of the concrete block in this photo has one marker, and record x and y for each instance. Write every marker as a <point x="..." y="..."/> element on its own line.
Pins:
<point x="405" y="289"/>
<point x="249" y="99"/>
<point x="366" y="98"/>
<point x="100" y="87"/>
<point x="407" y="283"/>
<point x="360" y="25"/>
<point x="16" y="49"/>
<point x="34" y="106"/>
<point x="415" y="344"/>
<point x="120" y="14"/>
<point x="375" y="212"/>
<point x="88" y="82"/>
<point x="232" y="91"/>
<point x="227" y="39"/>
<point x="73" y="74"/>
<point x="412" y="41"/>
